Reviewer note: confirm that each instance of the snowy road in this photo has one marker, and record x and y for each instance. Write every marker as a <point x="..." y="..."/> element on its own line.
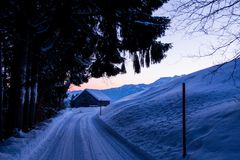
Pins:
<point x="81" y="137"/>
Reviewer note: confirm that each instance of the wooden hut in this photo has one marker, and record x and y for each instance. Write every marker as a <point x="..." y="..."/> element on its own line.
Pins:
<point x="90" y="98"/>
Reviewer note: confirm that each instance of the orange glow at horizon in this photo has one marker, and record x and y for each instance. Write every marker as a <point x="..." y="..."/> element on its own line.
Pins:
<point x="102" y="83"/>
<point x="74" y="88"/>
<point x="90" y="85"/>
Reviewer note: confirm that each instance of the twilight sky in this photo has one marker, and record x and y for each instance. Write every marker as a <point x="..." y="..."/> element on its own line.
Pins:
<point x="183" y="58"/>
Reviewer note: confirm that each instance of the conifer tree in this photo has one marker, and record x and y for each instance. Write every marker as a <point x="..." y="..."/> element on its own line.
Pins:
<point x="58" y="42"/>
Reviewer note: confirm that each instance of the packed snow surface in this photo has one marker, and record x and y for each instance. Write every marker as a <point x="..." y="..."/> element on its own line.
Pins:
<point x="75" y="134"/>
<point x="152" y="119"/>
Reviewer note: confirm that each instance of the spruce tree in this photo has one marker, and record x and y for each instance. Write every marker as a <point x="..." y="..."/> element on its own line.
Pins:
<point x="58" y="42"/>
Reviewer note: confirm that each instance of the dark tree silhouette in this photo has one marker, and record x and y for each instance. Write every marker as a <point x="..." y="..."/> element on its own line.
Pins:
<point x="53" y="43"/>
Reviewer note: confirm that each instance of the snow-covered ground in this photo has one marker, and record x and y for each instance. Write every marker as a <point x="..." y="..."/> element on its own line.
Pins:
<point x="151" y="119"/>
<point x="75" y="134"/>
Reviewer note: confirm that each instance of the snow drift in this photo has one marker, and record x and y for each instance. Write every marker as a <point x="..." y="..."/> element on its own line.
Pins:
<point x="151" y="119"/>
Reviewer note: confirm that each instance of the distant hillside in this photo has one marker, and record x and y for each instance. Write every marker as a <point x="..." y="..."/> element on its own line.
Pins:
<point x="118" y="93"/>
<point x="162" y="81"/>
<point x="125" y="90"/>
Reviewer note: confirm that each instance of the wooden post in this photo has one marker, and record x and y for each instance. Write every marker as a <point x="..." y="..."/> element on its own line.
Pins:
<point x="184" y="120"/>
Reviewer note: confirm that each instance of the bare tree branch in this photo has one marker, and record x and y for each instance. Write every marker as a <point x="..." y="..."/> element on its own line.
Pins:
<point x="219" y="18"/>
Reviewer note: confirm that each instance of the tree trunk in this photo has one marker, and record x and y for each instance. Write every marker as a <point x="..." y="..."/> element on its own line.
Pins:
<point x="1" y="93"/>
<point x="33" y="102"/>
<point x="26" y="115"/>
<point x="26" y="110"/>
<point x="20" y="60"/>
<point x="34" y="92"/>
<point x="18" y="78"/>
<point x="18" y="88"/>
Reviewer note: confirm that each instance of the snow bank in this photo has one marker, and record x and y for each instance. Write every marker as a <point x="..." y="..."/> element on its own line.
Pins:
<point x="152" y="119"/>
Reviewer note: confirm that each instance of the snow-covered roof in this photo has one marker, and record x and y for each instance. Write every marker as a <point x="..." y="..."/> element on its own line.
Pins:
<point x="98" y="95"/>
<point x="75" y="94"/>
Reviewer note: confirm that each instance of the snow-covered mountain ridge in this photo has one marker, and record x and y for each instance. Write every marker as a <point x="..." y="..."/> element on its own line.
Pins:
<point x="151" y="118"/>
<point x="125" y="90"/>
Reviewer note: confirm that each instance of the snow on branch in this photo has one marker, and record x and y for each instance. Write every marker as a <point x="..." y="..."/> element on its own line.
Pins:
<point x="146" y="23"/>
